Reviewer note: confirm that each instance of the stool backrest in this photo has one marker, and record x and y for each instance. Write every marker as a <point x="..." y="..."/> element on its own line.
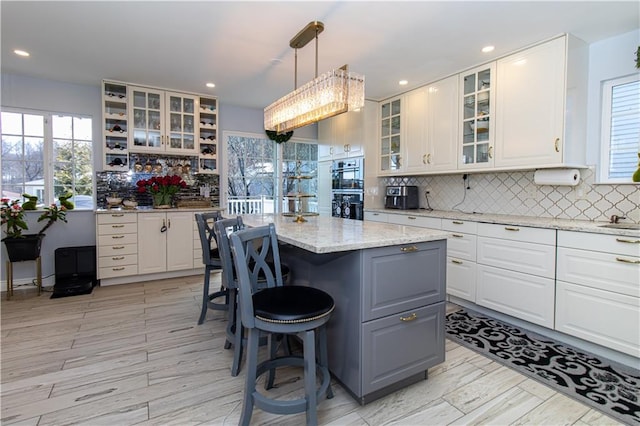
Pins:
<point x="253" y="249"/>
<point x="221" y="228"/>
<point x="207" y="235"/>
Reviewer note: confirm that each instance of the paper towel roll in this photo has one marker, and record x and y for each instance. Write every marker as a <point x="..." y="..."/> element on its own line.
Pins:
<point x="570" y="177"/>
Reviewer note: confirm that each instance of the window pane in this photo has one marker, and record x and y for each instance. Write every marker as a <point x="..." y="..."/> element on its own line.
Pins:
<point x="11" y="123"/>
<point x="62" y="127"/>
<point x="11" y="147"/>
<point x="34" y="125"/>
<point x="625" y="130"/>
<point x="82" y="128"/>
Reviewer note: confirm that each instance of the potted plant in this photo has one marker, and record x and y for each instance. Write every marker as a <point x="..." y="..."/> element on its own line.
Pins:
<point x="21" y="247"/>
<point x="162" y="189"/>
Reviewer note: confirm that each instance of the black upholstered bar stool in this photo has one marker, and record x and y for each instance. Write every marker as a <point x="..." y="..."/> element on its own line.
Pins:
<point x="212" y="262"/>
<point x="235" y="333"/>
<point x="279" y="309"/>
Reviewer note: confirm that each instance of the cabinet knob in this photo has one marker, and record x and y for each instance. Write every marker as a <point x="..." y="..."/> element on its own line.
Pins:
<point x="118" y="269"/>
<point x="117" y="215"/>
<point x="490" y="152"/>
<point x="620" y="240"/>
<point x="457" y="222"/>
<point x="411" y="317"/>
<point x="428" y="158"/>
<point x="556" y="144"/>
<point x="117" y="226"/>
<point x="117" y="237"/>
<point x="118" y="258"/>
<point x="118" y="247"/>
<point x="622" y="259"/>
<point x="511" y="228"/>
<point x="456" y="261"/>
<point x="408" y="249"/>
<point x="457" y="235"/>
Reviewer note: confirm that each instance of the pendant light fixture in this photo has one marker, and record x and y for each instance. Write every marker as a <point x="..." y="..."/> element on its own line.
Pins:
<point x="329" y="94"/>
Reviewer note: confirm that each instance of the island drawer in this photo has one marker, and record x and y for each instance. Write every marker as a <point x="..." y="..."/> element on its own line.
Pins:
<point x="399" y="278"/>
<point x="402" y="345"/>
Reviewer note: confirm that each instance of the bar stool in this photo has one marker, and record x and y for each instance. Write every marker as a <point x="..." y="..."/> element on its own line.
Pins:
<point x="278" y="309"/>
<point x="212" y="262"/>
<point x="235" y="333"/>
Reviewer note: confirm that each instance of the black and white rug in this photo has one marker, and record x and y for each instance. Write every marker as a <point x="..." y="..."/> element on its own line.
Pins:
<point x="610" y="388"/>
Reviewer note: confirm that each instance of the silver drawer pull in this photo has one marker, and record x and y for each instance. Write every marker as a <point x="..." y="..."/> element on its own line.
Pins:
<point x="117" y="237"/>
<point x="118" y="269"/>
<point x="622" y="259"/>
<point x="117" y="258"/>
<point x="511" y="228"/>
<point x="117" y="215"/>
<point x="412" y="217"/>
<point x="620" y="240"/>
<point x="117" y="247"/>
<point x="408" y="249"/>
<point x="457" y="222"/>
<point x="117" y="226"/>
<point x="457" y="262"/>
<point x="411" y="317"/>
<point x="457" y="235"/>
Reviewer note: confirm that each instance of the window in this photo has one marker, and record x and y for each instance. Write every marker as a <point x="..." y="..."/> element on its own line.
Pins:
<point x="47" y="155"/>
<point x="620" y="129"/>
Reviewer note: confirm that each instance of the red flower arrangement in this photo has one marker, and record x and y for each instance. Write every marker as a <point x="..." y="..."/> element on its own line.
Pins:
<point x="161" y="188"/>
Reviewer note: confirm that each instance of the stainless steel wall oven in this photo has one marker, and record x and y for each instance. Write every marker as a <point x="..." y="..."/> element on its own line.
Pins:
<point x="347" y="188"/>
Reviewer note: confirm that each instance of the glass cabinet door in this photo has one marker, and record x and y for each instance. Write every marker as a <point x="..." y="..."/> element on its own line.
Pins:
<point x="147" y="119"/>
<point x="390" y="159"/>
<point x="477" y="115"/>
<point x="181" y="116"/>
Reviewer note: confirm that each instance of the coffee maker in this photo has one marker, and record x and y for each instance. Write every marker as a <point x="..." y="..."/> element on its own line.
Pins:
<point x="402" y="197"/>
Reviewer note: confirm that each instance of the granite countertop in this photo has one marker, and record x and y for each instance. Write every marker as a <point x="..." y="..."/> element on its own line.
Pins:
<point x="322" y="234"/>
<point x="536" y="222"/>
<point x="149" y="209"/>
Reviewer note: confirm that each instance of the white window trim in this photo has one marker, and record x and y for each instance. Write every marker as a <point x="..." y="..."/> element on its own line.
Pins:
<point x="605" y="134"/>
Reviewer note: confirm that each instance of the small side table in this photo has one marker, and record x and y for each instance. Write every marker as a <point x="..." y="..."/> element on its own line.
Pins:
<point x="10" y="276"/>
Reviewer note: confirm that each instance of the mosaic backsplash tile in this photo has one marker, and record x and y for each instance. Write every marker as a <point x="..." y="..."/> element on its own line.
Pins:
<point x="515" y="193"/>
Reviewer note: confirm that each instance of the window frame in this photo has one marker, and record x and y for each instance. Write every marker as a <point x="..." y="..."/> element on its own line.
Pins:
<point x="48" y="152"/>
<point x="605" y="137"/>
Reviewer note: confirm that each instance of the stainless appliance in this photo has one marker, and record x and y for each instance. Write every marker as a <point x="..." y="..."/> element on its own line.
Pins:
<point x="347" y="188"/>
<point x="402" y="197"/>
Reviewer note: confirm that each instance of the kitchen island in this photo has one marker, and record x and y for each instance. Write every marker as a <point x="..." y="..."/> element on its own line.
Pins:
<point x="388" y="284"/>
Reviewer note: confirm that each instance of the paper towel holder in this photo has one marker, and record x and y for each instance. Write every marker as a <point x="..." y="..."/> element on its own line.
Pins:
<point x="557" y="177"/>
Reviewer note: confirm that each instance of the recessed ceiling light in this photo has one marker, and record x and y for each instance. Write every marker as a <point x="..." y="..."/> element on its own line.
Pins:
<point x="488" y="49"/>
<point x="21" y="52"/>
<point x="210" y="85"/>
<point x="403" y="82"/>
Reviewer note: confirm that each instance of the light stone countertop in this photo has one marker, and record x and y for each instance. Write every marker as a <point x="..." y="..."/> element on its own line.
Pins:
<point x="321" y="234"/>
<point x="536" y="222"/>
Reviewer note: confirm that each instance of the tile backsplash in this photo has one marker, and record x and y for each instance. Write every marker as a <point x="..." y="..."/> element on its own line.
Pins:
<point x="515" y="193"/>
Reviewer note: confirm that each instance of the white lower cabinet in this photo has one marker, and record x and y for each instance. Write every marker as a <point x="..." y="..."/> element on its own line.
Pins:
<point x="165" y="242"/>
<point x="461" y="258"/>
<point x="411" y="220"/>
<point x="598" y="289"/>
<point x="117" y="245"/>
<point x="376" y="216"/>
<point x="516" y="271"/>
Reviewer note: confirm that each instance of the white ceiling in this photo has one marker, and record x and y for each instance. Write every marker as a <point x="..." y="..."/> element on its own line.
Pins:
<point x="243" y="47"/>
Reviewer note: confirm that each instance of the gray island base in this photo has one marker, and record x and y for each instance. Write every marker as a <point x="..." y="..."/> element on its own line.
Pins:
<point x="388" y="284"/>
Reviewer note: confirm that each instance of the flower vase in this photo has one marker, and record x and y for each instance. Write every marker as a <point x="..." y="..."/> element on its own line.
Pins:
<point x="25" y="248"/>
<point x="162" y="201"/>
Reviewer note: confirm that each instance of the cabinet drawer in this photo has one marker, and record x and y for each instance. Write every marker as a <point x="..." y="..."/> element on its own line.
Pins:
<point x="628" y="246"/>
<point x="395" y="280"/>
<point x="462" y="246"/>
<point x="401" y="345"/>
<point x="616" y="324"/>
<point x="463" y="226"/>
<point x="411" y="220"/>
<point x="117" y="239"/>
<point x="518" y="233"/>
<point x="520" y="295"/>
<point x="604" y="271"/>
<point x="118" y="271"/>
<point x="461" y="278"/>
<point x="117" y="250"/>
<point x="376" y="216"/>
<point x="118" y="260"/>
<point x="106" y="218"/>
<point x="117" y="228"/>
<point x="536" y="259"/>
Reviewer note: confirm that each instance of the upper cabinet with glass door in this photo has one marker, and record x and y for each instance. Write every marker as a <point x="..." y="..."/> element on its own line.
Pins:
<point x="390" y="138"/>
<point x="162" y="121"/>
<point x="477" y="118"/>
<point x="115" y="126"/>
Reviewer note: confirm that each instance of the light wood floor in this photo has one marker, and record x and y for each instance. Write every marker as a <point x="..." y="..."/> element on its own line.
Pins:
<point x="133" y="354"/>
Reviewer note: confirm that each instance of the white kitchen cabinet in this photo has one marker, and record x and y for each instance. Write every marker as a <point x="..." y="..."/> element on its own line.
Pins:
<point x="413" y="220"/>
<point x="477" y="117"/>
<point x="599" y="273"/>
<point x="208" y="136"/>
<point x="343" y="135"/>
<point x="390" y="149"/>
<point x="414" y="120"/>
<point x="516" y="271"/>
<point x="376" y="216"/>
<point x="163" y="121"/>
<point x="115" y="126"/>
<point x="324" y="188"/>
<point x="461" y="258"/>
<point x="541" y="105"/>
<point x="117" y="240"/>
<point x="165" y="241"/>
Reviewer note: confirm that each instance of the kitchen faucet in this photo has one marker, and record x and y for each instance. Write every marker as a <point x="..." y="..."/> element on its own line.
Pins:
<point x="615" y="218"/>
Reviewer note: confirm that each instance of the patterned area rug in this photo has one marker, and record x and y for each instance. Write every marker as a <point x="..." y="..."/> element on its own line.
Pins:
<point x="611" y="389"/>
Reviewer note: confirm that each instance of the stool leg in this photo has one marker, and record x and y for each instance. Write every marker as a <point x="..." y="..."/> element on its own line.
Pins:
<point x="205" y="295"/>
<point x="272" y="348"/>
<point x="309" y="343"/>
<point x="324" y="357"/>
<point x="231" y="318"/>
<point x="250" y="384"/>
<point x="9" y="280"/>
<point x="39" y="274"/>
<point x="238" y="336"/>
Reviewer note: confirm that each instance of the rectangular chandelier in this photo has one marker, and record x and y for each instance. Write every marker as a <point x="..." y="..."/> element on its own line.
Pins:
<point x="332" y="93"/>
